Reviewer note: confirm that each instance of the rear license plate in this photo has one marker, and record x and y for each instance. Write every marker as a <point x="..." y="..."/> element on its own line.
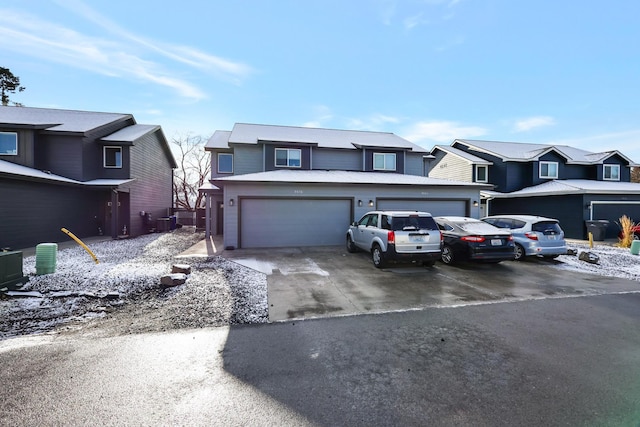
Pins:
<point x="551" y="237"/>
<point x="496" y="242"/>
<point x="416" y="238"/>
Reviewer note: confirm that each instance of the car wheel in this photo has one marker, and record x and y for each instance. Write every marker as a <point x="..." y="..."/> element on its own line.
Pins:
<point x="636" y="236"/>
<point x="447" y="255"/>
<point x="377" y="256"/>
<point x="351" y="247"/>
<point x="520" y="253"/>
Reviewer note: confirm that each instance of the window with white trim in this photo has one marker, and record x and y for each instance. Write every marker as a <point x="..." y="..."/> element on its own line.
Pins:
<point x="384" y="161"/>
<point x="482" y="173"/>
<point x="112" y="157"/>
<point x="611" y="172"/>
<point x="8" y="144"/>
<point x="549" y="170"/>
<point x="288" y="157"/>
<point x="225" y="163"/>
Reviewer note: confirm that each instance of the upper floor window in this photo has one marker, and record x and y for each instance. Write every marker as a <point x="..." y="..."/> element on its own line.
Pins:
<point x="225" y="163"/>
<point x="384" y="161"/>
<point x="288" y="157"/>
<point x="112" y="157"/>
<point x="611" y="172"/>
<point x="482" y="173"/>
<point x="549" y="170"/>
<point x="8" y="144"/>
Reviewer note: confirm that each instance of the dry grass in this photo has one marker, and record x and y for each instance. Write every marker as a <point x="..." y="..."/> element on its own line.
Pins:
<point x="627" y="232"/>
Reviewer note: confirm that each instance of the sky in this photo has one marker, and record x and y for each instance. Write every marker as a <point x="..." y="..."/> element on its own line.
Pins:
<point x="430" y="71"/>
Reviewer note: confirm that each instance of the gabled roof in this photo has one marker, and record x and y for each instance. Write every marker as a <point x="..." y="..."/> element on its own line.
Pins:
<point x="462" y="154"/>
<point x="560" y="187"/>
<point x="130" y="133"/>
<point x="57" y="120"/>
<point x="526" y="152"/>
<point x="24" y="172"/>
<point x="342" y="177"/>
<point x="244" y="133"/>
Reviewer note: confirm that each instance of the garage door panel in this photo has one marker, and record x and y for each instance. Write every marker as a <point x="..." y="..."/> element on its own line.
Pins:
<point x="434" y="207"/>
<point x="293" y="222"/>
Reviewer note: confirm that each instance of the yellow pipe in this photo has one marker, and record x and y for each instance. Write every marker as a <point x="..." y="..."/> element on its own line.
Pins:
<point x="590" y="240"/>
<point x="78" y="241"/>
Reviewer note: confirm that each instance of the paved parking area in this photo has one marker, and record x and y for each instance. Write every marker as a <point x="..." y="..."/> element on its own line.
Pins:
<point x="328" y="281"/>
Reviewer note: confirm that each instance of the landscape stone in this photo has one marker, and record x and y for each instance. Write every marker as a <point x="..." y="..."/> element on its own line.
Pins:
<point x="589" y="257"/>
<point x="181" y="268"/>
<point x="174" y="279"/>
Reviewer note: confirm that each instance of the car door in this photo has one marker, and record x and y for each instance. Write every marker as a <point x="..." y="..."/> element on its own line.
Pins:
<point x="365" y="231"/>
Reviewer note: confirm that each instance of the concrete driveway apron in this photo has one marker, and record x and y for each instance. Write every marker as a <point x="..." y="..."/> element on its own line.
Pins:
<point x="311" y="282"/>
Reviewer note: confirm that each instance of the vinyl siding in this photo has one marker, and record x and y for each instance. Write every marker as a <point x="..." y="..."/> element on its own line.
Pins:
<point x="414" y="164"/>
<point x="335" y="159"/>
<point x="38" y="211"/>
<point x="152" y="190"/>
<point x="448" y="166"/>
<point x="247" y="159"/>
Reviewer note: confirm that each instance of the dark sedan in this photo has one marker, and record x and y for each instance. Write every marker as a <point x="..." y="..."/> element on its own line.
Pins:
<point x="469" y="239"/>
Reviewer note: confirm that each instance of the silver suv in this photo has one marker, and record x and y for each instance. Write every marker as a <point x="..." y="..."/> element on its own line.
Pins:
<point x="533" y="235"/>
<point x="396" y="236"/>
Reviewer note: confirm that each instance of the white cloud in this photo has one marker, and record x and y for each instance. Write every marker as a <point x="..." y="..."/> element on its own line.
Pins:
<point x="441" y="131"/>
<point x="533" y="122"/>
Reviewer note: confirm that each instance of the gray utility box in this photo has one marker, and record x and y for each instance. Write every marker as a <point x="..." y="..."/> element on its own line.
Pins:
<point x="11" y="270"/>
<point x="598" y="228"/>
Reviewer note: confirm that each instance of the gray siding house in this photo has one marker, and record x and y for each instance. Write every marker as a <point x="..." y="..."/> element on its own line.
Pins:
<point x="278" y="186"/>
<point x="92" y="173"/>
<point x="558" y="181"/>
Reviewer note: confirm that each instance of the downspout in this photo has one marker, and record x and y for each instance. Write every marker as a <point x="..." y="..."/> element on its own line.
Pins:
<point x="114" y="213"/>
<point x="207" y="215"/>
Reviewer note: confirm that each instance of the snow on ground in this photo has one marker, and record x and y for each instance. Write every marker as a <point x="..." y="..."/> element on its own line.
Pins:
<point x="127" y="280"/>
<point x="124" y="288"/>
<point x="613" y="261"/>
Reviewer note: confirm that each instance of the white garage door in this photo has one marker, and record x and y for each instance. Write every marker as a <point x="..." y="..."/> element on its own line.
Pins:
<point x="268" y="223"/>
<point x="434" y="207"/>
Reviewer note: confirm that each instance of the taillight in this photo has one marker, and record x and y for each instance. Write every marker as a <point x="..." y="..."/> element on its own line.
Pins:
<point x="510" y="238"/>
<point x="531" y="235"/>
<point x="391" y="237"/>
<point x="477" y="239"/>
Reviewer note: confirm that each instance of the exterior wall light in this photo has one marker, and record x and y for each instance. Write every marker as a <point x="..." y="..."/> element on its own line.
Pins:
<point x="230" y="202"/>
<point x="475" y="203"/>
<point x="370" y="203"/>
<point x="359" y="202"/>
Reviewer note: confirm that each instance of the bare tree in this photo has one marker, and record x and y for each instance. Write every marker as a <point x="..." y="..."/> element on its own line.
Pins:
<point x="194" y="168"/>
<point x="635" y="174"/>
<point x="9" y="83"/>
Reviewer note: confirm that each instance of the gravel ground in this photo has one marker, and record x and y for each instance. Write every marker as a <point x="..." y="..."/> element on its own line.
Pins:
<point x="122" y="294"/>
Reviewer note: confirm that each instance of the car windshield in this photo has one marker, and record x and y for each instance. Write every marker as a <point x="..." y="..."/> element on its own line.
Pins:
<point x="546" y="227"/>
<point x="478" y="227"/>
<point x="413" y="223"/>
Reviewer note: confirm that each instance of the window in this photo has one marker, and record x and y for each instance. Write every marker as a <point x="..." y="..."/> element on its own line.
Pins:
<point x="384" y="161"/>
<point x="611" y="172"/>
<point x="8" y="144"/>
<point x="482" y="173"/>
<point x="112" y="157"/>
<point x="549" y="170"/>
<point x="225" y="163"/>
<point x="288" y="157"/>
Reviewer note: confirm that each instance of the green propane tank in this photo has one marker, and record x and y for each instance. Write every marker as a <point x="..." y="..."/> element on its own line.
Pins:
<point x="46" y="254"/>
<point x="635" y="247"/>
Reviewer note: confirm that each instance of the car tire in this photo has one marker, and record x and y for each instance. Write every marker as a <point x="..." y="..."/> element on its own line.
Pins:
<point x="447" y="255"/>
<point x="636" y="236"/>
<point x="351" y="247"/>
<point x="520" y="252"/>
<point x="377" y="256"/>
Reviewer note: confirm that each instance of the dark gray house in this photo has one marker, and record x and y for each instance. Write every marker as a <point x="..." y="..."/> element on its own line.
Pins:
<point x="92" y="173"/>
<point x="557" y="181"/>
<point x="276" y="186"/>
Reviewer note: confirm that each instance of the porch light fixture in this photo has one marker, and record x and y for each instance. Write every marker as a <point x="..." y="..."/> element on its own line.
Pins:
<point x="370" y="203"/>
<point x="359" y="202"/>
<point x="230" y="202"/>
<point x="475" y="203"/>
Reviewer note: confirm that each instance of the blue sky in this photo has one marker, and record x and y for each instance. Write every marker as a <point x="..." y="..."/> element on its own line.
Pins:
<point x="543" y="71"/>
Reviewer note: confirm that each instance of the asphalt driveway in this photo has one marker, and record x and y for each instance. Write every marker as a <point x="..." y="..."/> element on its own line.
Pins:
<point x="313" y="282"/>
